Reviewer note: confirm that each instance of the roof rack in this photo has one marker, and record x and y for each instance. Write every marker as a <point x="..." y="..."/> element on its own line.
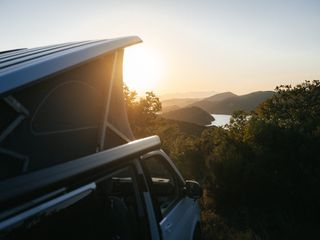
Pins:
<point x="59" y="175"/>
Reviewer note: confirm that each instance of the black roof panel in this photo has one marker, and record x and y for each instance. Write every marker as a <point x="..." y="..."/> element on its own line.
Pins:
<point x="21" y="67"/>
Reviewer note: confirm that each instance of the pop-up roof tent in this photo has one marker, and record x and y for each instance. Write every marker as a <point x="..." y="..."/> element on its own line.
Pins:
<point x="61" y="102"/>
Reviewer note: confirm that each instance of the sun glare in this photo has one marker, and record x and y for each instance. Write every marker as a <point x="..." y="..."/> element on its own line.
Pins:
<point x="142" y="69"/>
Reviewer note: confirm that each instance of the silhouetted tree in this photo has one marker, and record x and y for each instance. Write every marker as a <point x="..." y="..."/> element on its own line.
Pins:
<point x="265" y="169"/>
<point x="142" y="112"/>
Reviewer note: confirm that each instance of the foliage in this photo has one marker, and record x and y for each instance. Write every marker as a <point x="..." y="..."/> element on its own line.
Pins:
<point x="262" y="172"/>
<point x="178" y="138"/>
<point x="265" y="168"/>
<point x="142" y="113"/>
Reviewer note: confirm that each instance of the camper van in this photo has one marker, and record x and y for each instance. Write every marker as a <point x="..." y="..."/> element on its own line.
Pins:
<point x="70" y="167"/>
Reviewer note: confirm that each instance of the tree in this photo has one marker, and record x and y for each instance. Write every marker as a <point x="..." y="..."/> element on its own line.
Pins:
<point x="142" y="113"/>
<point x="268" y="163"/>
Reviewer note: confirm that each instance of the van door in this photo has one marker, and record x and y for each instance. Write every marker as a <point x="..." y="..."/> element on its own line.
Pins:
<point x="177" y="214"/>
<point x="108" y="208"/>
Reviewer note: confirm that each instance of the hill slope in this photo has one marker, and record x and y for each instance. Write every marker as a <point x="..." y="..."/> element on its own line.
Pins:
<point x="190" y="114"/>
<point x="220" y="96"/>
<point x="186" y="128"/>
<point x="199" y="95"/>
<point x="247" y="102"/>
<point x="175" y="103"/>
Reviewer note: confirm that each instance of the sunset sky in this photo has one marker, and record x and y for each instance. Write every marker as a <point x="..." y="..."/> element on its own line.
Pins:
<point x="189" y="45"/>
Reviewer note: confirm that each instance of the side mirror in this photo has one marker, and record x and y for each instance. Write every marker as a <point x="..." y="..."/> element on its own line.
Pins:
<point x="193" y="189"/>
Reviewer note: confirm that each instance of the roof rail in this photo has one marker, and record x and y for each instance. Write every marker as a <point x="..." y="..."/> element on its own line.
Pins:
<point x="59" y="175"/>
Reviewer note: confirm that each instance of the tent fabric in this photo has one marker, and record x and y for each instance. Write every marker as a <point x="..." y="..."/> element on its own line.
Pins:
<point x="73" y="112"/>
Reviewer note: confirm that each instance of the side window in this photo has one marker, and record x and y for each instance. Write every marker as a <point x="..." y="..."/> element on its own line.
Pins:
<point x="163" y="182"/>
<point x="111" y="211"/>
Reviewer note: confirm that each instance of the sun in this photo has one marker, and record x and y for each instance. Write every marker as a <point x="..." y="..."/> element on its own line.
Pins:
<point x="142" y="69"/>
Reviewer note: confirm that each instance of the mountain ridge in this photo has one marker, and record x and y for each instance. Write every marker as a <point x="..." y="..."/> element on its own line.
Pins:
<point x="220" y="96"/>
<point x="192" y="94"/>
<point x="246" y="102"/>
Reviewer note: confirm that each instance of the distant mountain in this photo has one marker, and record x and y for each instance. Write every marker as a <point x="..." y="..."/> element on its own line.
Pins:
<point x="231" y="102"/>
<point x="175" y="103"/>
<point x="169" y="108"/>
<point x="220" y="96"/>
<point x="199" y="95"/>
<point x="190" y="114"/>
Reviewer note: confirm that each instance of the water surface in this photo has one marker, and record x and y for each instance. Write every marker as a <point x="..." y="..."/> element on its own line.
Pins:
<point x="220" y="120"/>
